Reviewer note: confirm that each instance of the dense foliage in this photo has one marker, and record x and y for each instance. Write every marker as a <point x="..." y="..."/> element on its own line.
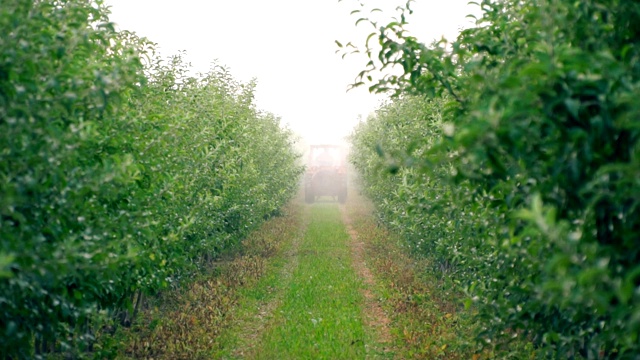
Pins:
<point x="120" y="174"/>
<point x="515" y="162"/>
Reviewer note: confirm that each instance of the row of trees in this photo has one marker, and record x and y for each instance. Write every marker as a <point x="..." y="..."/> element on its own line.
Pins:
<point x="120" y="173"/>
<point x="514" y="161"/>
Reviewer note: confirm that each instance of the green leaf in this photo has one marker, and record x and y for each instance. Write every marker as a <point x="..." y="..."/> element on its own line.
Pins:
<point x="573" y="106"/>
<point x="5" y="263"/>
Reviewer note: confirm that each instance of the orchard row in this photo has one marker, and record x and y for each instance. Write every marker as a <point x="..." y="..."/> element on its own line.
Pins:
<point x="120" y="174"/>
<point x="512" y="160"/>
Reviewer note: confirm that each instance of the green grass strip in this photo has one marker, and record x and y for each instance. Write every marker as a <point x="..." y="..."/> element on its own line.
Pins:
<point x="321" y="313"/>
<point x="234" y="342"/>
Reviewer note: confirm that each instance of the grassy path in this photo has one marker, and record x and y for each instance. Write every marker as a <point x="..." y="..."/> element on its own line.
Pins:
<point x="322" y="282"/>
<point x="257" y="304"/>
<point x="320" y="311"/>
<point x="320" y="316"/>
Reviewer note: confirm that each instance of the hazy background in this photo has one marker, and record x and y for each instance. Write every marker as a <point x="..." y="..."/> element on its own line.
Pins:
<point x="288" y="46"/>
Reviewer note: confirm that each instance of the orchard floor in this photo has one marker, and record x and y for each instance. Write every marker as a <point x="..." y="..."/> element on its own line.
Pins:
<point x="322" y="281"/>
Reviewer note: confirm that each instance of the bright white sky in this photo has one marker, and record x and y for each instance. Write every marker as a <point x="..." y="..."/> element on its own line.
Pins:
<point x="288" y="46"/>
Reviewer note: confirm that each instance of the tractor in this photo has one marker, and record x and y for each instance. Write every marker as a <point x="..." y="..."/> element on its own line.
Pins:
<point x="326" y="173"/>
